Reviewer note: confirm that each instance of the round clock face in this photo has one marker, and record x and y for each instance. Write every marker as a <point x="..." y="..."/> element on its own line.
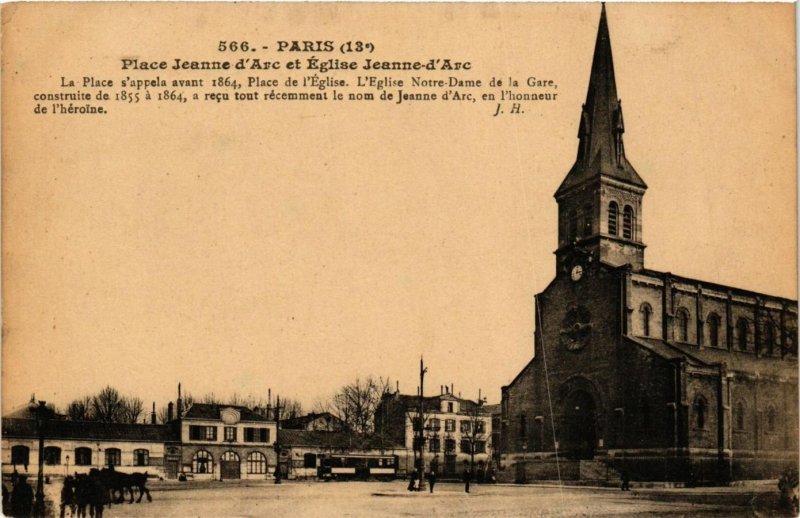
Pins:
<point x="576" y="329"/>
<point x="577" y="272"/>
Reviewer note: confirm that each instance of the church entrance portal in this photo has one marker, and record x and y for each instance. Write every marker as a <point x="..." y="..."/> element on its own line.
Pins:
<point x="579" y="427"/>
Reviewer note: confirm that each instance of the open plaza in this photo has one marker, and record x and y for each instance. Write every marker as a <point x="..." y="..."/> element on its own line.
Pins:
<point x="297" y="498"/>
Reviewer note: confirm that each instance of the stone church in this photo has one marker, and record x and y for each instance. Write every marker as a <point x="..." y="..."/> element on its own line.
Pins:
<point x="660" y="376"/>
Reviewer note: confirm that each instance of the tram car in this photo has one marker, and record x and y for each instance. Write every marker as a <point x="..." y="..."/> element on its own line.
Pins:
<point x="357" y="467"/>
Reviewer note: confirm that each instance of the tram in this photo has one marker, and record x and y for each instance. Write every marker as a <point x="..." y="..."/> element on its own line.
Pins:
<point x="357" y="467"/>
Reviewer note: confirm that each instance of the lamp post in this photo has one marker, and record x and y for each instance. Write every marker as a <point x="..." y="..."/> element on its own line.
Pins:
<point x="41" y="422"/>
<point x="66" y="471"/>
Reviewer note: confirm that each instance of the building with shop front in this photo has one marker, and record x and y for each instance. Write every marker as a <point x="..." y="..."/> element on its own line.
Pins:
<point x="662" y="376"/>
<point x="455" y="431"/>
<point x="222" y="442"/>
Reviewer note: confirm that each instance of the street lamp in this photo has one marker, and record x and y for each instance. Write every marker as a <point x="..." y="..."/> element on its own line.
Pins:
<point x="66" y="471"/>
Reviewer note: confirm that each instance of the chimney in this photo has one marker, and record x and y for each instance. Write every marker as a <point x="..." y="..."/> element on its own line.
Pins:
<point x="153" y="414"/>
<point x="451" y="389"/>
<point x="180" y="403"/>
<point x="170" y="411"/>
<point x="441" y="390"/>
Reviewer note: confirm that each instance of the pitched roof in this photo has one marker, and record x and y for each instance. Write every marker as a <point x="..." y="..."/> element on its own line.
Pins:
<point x="89" y="430"/>
<point x="432" y="403"/>
<point x="212" y="412"/>
<point x="303" y="420"/>
<point x="600" y="151"/>
<point x="334" y="440"/>
<point x="736" y="361"/>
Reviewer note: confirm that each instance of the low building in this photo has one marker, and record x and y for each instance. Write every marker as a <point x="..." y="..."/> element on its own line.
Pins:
<point x="78" y="446"/>
<point x="455" y="431"/>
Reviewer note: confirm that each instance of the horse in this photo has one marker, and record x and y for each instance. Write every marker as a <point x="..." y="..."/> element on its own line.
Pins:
<point x="90" y="492"/>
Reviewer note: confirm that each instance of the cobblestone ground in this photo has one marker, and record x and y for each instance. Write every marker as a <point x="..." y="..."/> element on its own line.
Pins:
<point x="391" y="499"/>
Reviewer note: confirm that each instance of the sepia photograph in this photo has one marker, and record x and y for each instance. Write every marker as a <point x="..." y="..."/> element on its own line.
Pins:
<point x="399" y="259"/>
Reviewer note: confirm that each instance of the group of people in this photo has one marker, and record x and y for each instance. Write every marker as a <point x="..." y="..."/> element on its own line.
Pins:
<point x="18" y="501"/>
<point x="415" y="482"/>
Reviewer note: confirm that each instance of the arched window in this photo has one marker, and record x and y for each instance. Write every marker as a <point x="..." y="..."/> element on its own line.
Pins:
<point x="700" y="412"/>
<point x="713" y="329"/>
<point x="141" y="457"/>
<point x="257" y="462"/>
<point x="646" y="312"/>
<point x="587" y="220"/>
<point x="83" y="456"/>
<point x="771" y="418"/>
<point x="20" y="455"/>
<point x="742" y="332"/>
<point x="683" y="325"/>
<point x="573" y="225"/>
<point x="613" y="212"/>
<point x="52" y="455"/>
<point x="523" y="427"/>
<point x="769" y="337"/>
<point x="739" y="416"/>
<point x="627" y="222"/>
<point x="113" y="457"/>
<point x="202" y="462"/>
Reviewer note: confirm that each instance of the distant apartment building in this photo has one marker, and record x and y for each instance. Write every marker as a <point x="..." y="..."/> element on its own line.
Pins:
<point x="455" y="431"/>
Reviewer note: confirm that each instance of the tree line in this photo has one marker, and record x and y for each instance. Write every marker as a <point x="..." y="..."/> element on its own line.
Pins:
<point x="354" y="404"/>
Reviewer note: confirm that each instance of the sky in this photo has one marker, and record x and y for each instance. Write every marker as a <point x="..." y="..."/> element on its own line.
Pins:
<point x="295" y="247"/>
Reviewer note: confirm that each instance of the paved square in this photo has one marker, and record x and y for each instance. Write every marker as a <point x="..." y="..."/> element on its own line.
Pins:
<point x="391" y="499"/>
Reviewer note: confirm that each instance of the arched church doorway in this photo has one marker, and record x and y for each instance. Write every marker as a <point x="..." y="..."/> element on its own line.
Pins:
<point x="580" y="426"/>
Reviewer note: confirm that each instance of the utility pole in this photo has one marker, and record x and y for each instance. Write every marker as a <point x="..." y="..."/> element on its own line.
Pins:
<point x="421" y="421"/>
<point x="42" y="416"/>
<point x="277" y="444"/>
<point x="474" y="440"/>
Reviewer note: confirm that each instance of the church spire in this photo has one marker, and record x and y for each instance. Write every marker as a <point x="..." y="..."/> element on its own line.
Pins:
<point x="601" y="150"/>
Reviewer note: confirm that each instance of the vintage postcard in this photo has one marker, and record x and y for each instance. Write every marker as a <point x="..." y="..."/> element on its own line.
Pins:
<point x="455" y="259"/>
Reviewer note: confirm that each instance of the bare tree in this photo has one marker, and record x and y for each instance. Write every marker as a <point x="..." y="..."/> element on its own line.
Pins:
<point x="291" y="408"/>
<point x="80" y="409"/>
<point x="107" y="406"/>
<point x="163" y="414"/>
<point x="132" y="408"/>
<point x="356" y="402"/>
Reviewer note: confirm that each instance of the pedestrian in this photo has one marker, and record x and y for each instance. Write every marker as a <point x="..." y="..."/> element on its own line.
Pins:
<point x="626" y="481"/>
<point x="432" y="479"/>
<point x="412" y="480"/>
<point x="467" y="478"/>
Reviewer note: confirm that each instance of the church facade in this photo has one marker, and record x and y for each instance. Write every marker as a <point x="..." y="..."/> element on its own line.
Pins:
<point x="656" y="375"/>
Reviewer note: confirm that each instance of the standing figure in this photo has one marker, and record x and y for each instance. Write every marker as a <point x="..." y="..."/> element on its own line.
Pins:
<point x="21" y="497"/>
<point x="626" y="481"/>
<point x="432" y="478"/>
<point x="467" y="478"/>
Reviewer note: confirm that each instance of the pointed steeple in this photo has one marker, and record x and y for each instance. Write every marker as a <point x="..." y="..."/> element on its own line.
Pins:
<point x="601" y="151"/>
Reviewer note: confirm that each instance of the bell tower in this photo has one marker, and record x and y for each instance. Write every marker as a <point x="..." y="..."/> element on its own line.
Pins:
<point x="600" y="200"/>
